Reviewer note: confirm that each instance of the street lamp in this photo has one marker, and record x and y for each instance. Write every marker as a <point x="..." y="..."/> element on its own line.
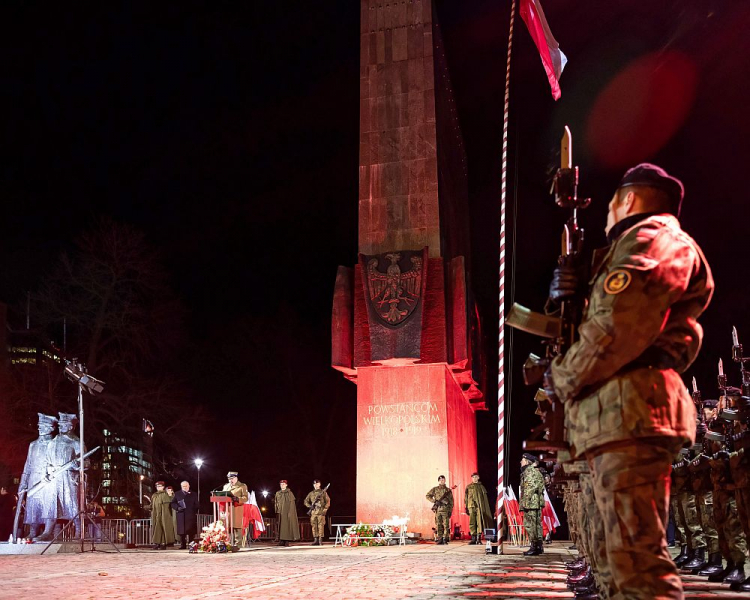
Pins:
<point x="140" y="489"/>
<point x="199" y="464"/>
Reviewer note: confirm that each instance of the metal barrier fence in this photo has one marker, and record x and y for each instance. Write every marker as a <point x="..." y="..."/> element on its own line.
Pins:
<point x="137" y="532"/>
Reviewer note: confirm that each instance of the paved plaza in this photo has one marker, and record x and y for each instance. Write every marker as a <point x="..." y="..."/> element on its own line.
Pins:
<point x="420" y="571"/>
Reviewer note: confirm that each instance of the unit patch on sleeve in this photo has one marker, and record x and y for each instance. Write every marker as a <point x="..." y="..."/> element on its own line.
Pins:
<point x="617" y="281"/>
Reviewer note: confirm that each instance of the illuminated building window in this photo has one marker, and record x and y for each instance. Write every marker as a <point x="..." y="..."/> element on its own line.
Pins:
<point x="23" y="361"/>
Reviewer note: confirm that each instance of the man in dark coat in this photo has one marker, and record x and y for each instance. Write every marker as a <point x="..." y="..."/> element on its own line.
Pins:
<point x="185" y="503"/>
<point x="286" y="512"/>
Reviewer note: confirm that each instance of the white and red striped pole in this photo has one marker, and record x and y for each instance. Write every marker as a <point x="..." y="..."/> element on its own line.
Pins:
<point x="501" y="295"/>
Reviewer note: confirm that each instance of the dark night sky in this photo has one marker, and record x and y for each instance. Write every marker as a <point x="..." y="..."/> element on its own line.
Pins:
<point x="229" y="134"/>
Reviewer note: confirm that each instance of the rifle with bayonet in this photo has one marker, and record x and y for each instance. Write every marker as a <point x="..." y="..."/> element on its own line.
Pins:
<point x="559" y="328"/>
<point x="316" y="502"/>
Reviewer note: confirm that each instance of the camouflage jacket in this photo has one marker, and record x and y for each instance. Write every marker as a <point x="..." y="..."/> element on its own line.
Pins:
<point x="620" y="379"/>
<point x="739" y="463"/>
<point x="531" y="489"/>
<point x="443" y="495"/>
<point x="721" y="474"/>
<point x="319" y="501"/>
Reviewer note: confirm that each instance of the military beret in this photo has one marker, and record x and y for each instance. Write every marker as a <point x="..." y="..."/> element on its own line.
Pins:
<point x="161" y="483"/>
<point x="283" y="481"/>
<point x="475" y="474"/>
<point x="441" y="477"/>
<point x="232" y="474"/>
<point x="316" y="481"/>
<point x="530" y="457"/>
<point x="652" y="176"/>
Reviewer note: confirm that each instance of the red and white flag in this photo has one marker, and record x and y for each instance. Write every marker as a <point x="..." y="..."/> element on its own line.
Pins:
<point x="552" y="57"/>
<point x="550" y="521"/>
<point x="251" y="513"/>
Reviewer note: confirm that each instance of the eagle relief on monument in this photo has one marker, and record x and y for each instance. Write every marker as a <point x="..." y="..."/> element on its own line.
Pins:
<point x="395" y="293"/>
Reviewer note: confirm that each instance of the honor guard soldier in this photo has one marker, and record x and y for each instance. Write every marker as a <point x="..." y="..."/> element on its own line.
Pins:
<point x="318" y="502"/>
<point x="478" y="508"/>
<point x="627" y="410"/>
<point x="531" y="503"/>
<point x="441" y="497"/>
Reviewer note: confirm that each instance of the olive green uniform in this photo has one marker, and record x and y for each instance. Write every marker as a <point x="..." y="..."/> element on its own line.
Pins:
<point x="320" y="502"/>
<point x="240" y="497"/>
<point x="478" y="507"/>
<point x="531" y="501"/>
<point x="443" y="497"/>
<point x="162" y="528"/>
<point x="626" y="407"/>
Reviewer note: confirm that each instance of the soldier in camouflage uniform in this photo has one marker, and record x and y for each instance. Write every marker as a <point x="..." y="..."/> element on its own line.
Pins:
<point x="679" y="524"/>
<point x="700" y="478"/>
<point x="531" y="503"/>
<point x="732" y="541"/>
<point x="441" y="497"/>
<point x="739" y="464"/>
<point x="626" y="407"/>
<point x="688" y="511"/>
<point x="319" y="502"/>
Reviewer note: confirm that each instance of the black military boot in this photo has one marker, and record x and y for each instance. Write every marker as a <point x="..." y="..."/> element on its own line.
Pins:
<point x="714" y="565"/>
<point x="736" y="575"/>
<point x="540" y="547"/>
<point x="688" y="557"/>
<point x="719" y="577"/>
<point x="446" y="540"/>
<point x="440" y="541"/>
<point x="474" y="540"/>
<point x="681" y="557"/>
<point x="532" y="551"/>
<point x="697" y="562"/>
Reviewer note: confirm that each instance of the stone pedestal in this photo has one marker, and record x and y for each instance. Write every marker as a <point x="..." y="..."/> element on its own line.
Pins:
<point x="413" y="425"/>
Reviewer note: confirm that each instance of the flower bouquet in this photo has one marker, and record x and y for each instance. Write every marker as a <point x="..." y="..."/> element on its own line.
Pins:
<point x="215" y="538"/>
<point x="368" y="535"/>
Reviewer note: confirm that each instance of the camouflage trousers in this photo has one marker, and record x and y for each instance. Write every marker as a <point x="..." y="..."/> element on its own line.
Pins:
<point x="679" y="524"/>
<point x="742" y="497"/>
<point x="687" y="506"/>
<point x="631" y="487"/>
<point x="443" y="524"/>
<point x="532" y="523"/>
<point x="318" y="525"/>
<point x="732" y="541"/>
<point x="571" y="511"/>
<point x="704" y="501"/>
<point x="592" y="536"/>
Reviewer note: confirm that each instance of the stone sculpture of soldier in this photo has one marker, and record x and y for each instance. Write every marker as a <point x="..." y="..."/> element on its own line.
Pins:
<point x="34" y="471"/>
<point x="60" y="451"/>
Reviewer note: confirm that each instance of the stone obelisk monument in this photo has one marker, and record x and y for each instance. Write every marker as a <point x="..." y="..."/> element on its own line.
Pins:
<point x="404" y="326"/>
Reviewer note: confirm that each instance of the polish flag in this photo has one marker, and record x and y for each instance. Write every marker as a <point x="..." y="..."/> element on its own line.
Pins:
<point x="511" y="506"/>
<point x="552" y="57"/>
<point x="550" y="521"/>
<point x="251" y="512"/>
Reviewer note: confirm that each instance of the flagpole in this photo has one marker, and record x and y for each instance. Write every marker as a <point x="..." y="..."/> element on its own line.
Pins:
<point x="501" y="292"/>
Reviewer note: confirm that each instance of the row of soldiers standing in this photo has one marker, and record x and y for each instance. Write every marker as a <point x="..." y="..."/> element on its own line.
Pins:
<point x="709" y="502"/>
<point x="711" y="494"/>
